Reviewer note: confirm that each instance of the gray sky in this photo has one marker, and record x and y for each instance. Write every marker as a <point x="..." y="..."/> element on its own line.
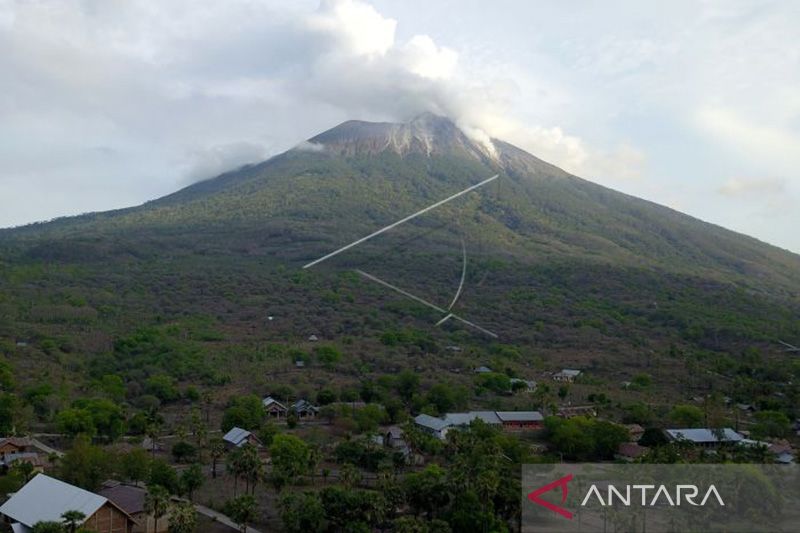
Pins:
<point x="695" y="105"/>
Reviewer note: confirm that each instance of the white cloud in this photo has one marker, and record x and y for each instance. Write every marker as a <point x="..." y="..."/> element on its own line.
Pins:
<point x="739" y="187"/>
<point x="133" y="98"/>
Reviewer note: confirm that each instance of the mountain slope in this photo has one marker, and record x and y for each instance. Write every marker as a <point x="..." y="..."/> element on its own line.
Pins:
<point x="206" y="286"/>
<point x="359" y="176"/>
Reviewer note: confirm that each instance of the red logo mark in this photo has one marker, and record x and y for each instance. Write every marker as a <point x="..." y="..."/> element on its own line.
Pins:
<point x="534" y="496"/>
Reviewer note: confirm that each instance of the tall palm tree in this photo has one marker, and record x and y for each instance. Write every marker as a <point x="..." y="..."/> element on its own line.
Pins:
<point x="217" y="449"/>
<point x="156" y="503"/>
<point x="72" y="519"/>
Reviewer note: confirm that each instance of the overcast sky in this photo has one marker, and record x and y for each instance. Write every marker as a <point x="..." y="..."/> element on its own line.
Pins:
<point x="695" y="105"/>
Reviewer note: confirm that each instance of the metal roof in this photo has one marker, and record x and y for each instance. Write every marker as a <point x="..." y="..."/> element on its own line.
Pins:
<point x="45" y="499"/>
<point x="236" y="436"/>
<point x="464" y="419"/>
<point x="702" y="435"/>
<point x="520" y="416"/>
<point x="269" y="400"/>
<point x="128" y="498"/>
<point x="569" y="372"/>
<point x="431" y="422"/>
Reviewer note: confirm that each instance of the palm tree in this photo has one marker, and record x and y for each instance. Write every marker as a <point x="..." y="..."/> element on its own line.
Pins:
<point x="182" y="518"/>
<point x="217" y="450"/>
<point x="243" y="510"/>
<point x="72" y="519"/>
<point x="156" y="503"/>
<point x="250" y="467"/>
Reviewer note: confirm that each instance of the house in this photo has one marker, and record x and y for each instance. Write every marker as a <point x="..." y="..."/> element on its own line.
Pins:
<point x="15" y="445"/>
<point x="45" y="499"/>
<point x="567" y="375"/>
<point x="37" y="461"/>
<point x="630" y="451"/>
<point x="238" y="437"/>
<point x="521" y="420"/>
<point x="304" y="409"/>
<point x="299" y="363"/>
<point x="313" y="338"/>
<point x="465" y="419"/>
<point x="433" y="425"/>
<point x="482" y="370"/>
<point x="509" y="420"/>
<point x="746" y="407"/>
<point x="130" y="499"/>
<point x="274" y="408"/>
<point x="528" y="385"/>
<point x="393" y="437"/>
<point x="709" y="438"/>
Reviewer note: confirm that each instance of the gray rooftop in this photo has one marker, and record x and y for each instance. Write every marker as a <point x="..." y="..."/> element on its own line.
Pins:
<point x="464" y="419"/>
<point x="45" y="499"/>
<point x="704" y="435"/>
<point x="520" y="416"/>
<point x="236" y="436"/>
<point x="431" y="422"/>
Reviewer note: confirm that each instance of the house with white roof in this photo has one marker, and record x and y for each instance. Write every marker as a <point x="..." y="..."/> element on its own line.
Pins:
<point x="568" y="375"/>
<point x="305" y="409"/>
<point x="509" y="420"/>
<point x="709" y="438"/>
<point x="274" y="408"/>
<point x="238" y="437"/>
<point x="433" y="425"/>
<point x="45" y="499"/>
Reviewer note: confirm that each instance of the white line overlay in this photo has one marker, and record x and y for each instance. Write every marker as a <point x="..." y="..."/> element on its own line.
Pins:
<point x="401" y="221"/>
<point x="426" y="303"/>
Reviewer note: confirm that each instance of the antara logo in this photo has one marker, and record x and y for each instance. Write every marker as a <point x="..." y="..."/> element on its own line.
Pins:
<point x="650" y="495"/>
<point x="534" y="496"/>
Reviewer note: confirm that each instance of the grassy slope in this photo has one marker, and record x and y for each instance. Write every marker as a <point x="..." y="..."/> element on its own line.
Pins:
<point x="569" y="272"/>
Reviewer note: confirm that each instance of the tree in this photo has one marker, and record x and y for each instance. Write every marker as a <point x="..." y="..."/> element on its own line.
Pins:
<point x="407" y="384"/>
<point x="369" y="417"/>
<point x="135" y="465"/>
<point x="328" y="355"/>
<point x="162" y="474"/>
<point x="686" y="416"/>
<point x="183" y="452"/>
<point x="217" y="450"/>
<point x="162" y="387"/>
<point x="246" y="412"/>
<point x="771" y="424"/>
<point x="48" y="527"/>
<point x="251" y="467"/>
<point x="326" y="396"/>
<point x="75" y="421"/>
<point x="427" y="491"/>
<point x="85" y="465"/>
<point x="290" y="458"/>
<point x="242" y="510"/>
<point x="8" y="404"/>
<point x="182" y="518"/>
<point x="192" y="479"/>
<point x="301" y="512"/>
<point x="72" y="519"/>
<point x="156" y="503"/>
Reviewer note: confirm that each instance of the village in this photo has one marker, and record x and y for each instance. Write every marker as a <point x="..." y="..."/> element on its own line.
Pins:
<point x="245" y="477"/>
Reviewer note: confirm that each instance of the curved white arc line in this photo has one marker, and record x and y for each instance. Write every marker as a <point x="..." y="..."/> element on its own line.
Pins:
<point x="463" y="274"/>
<point x="424" y="302"/>
<point x="401" y="221"/>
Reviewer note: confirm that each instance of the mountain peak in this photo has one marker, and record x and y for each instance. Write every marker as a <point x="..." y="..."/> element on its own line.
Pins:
<point x="427" y="134"/>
